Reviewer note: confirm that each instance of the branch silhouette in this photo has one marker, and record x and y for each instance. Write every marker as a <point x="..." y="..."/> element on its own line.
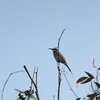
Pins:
<point x="58" y="67"/>
<point x="7" y="81"/>
<point x="35" y="85"/>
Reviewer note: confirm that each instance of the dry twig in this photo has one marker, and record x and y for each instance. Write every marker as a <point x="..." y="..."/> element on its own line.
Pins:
<point x="69" y="85"/>
<point x="7" y="81"/>
<point x="60" y="38"/>
<point x="59" y="71"/>
<point x="37" y="95"/>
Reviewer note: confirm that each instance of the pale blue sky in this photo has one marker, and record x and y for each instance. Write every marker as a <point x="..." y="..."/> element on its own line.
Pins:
<point x="29" y="28"/>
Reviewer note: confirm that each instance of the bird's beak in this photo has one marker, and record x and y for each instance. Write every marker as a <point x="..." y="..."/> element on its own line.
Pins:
<point x="50" y="48"/>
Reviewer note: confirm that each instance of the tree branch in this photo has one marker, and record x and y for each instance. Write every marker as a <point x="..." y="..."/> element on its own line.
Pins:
<point x="69" y="85"/>
<point x="37" y="95"/>
<point x="58" y="66"/>
<point x="59" y="82"/>
<point x="7" y="81"/>
<point x="31" y="91"/>
<point x="60" y="38"/>
<point x="53" y="97"/>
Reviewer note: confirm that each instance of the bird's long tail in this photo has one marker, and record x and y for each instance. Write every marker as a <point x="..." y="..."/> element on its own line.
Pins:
<point x="69" y="70"/>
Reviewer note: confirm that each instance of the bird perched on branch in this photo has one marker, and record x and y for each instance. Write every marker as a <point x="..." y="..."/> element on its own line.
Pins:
<point x="59" y="57"/>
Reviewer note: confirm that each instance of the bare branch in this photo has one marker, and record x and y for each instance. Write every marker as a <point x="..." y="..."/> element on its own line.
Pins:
<point x="33" y="76"/>
<point x="93" y="90"/>
<point x="36" y="76"/>
<point x="69" y="85"/>
<point x="59" y="81"/>
<point x="31" y="90"/>
<point x="60" y="38"/>
<point x="59" y="71"/>
<point x="93" y="63"/>
<point x="37" y="95"/>
<point x="8" y="80"/>
<point x="53" y="97"/>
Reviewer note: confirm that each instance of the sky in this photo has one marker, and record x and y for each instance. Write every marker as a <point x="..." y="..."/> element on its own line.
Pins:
<point x="29" y="27"/>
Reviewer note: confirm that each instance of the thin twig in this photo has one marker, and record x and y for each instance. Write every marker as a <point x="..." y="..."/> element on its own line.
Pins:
<point x="31" y="90"/>
<point x="33" y="77"/>
<point x="53" y="97"/>
<point x="59" y="72"/>
<point x="37" y="79"/>
<point x="93" y="90"/>
<point x="37" y="95"/>
<point x="36" y="76"/>
<point x="97" y="74"/>
<point x="59" y="82"/>
<point x="8" y="80"/>
<point x="60" y="38"/>
<point x="69" y="84"/>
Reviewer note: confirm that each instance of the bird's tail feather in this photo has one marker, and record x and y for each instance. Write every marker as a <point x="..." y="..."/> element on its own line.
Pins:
<point x="69" y="70"/>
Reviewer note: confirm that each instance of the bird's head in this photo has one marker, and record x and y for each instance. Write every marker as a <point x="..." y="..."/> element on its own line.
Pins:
<point x="54" y="49"/>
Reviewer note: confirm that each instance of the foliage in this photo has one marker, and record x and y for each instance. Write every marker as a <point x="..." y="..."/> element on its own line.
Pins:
<point x="95" y="85"/>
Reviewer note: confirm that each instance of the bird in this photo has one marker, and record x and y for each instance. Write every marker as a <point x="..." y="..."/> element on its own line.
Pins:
<point x="60" y="58"/>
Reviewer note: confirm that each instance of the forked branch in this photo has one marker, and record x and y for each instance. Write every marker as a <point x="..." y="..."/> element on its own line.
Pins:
<point x="37" y="95"/>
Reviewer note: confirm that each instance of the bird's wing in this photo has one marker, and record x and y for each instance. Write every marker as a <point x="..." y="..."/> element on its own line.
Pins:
<point x="62" y="59"/>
